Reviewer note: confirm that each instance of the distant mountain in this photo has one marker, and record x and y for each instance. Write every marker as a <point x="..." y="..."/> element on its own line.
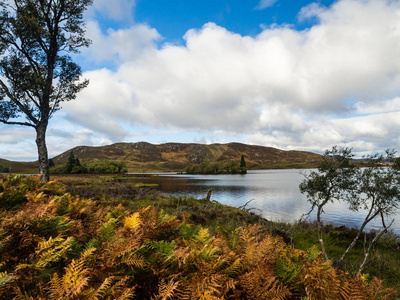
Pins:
<point x="146" y="157"/>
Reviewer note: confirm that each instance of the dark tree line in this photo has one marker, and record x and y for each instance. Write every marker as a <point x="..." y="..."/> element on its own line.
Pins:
<point x="74" y="166"/>
<point x="231" y="167"/>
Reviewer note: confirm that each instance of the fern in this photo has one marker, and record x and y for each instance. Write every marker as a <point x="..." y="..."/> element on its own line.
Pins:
<point x="6" y="279"/>
<point x="203" y="288"/>
<point x="134" y="261"/>
<point x="164" y="218"/>
<point x="121" y="290"/>
<point x="104" y="288"/>
<point x="189" y="231"/>
<point x="235" y="268"/>
<point x="232" y="237"/>
<point x="377" y="291"/>
<point x="164" y="249"/>
<point x="53" y="250"/>
<point x="93" y="243"/>
<point x="5" y="240"/>
<point x="203" y="236"/>
<point x="74" y="280"/>
<point x="51" y="225"/>
<point x="20" y="295"/>
<point x="261" y="283"/>
<point x="36" y="197"/>
<point x="133" y="221"/>
<point x="287" y="270"/>
<point x="169" y="260"/>
<point x="313" y="253"/>
<point x="166" y="290"/>
<point x="107" y="230"/>
<point x="50" y="251"/>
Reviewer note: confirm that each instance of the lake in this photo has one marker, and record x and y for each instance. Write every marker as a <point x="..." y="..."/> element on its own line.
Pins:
<point x="274" y="194"/>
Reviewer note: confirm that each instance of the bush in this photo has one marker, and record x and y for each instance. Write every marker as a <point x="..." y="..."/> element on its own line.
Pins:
<point x="105" y="166"/>
<point x="231" y="167"/>
<point x="91" y="167"/>
<point x="4" y="169"/>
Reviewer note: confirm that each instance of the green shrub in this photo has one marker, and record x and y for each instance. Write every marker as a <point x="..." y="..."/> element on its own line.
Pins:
<point x="91" y="167"/>
<point x="105" y="166"/>
<point x="4" y="169"/>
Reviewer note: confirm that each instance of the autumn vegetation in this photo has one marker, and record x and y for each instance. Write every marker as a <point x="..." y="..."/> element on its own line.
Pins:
<point x="56" y="244"/>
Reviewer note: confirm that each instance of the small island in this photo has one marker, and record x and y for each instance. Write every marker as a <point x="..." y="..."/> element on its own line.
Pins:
<point x="215" y="167"/>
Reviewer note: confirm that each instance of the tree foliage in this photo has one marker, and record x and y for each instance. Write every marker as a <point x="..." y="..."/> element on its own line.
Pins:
<point x="373" y="189"/>
<point x="242" y="162"/>
<point x="206" y="167"/>
<point x="37" y="72"/>
<point x="74" y="166"/>
<point x="4" y="169"/>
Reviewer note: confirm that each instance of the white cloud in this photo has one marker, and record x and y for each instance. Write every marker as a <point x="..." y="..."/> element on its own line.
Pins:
<point x="335" y="83"/>
<point x="313" y="10"/>
<point x="118" y="10"/>
<point x="17" y="142"/>
<point x="14" y="134"/>
<point x="281" y="87"/>
<point x="119" y="45"/>
<point x="100" y="106"/>
<point x="383" y="106"/>
<point x="265" y="4"/>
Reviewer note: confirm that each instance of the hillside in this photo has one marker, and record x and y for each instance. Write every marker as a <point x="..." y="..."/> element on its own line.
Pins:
<point x="146" y="157"/>
<point x="20" y="167"/>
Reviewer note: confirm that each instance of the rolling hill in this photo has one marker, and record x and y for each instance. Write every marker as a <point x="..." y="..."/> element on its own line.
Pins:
<point x="19" y="167"/>
<point x="146" y="157"/>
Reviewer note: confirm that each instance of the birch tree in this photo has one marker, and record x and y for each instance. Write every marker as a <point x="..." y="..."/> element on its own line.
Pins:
<point x="37" y="73"/>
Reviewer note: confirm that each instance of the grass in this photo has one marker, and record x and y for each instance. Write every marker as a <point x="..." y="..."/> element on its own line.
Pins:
<point x="384" y="261"/>
<point x="145" y="185"/>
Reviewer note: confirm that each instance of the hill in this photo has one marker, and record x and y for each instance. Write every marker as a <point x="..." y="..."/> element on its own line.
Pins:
<point x="146" y="157"/>
<point x="30" y="167"/>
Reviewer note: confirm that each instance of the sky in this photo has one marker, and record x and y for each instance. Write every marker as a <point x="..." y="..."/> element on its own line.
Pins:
<point x="295" y="75"/>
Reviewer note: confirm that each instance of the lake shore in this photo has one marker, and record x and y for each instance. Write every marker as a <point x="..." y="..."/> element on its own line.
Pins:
<point x="384" y="261"/>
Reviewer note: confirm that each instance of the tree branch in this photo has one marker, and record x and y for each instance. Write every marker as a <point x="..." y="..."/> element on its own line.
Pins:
<point x="370" y="246"/>
<point x="17" y="123"/>
<point x="19" y="104"/>
<point x="32" y="99"/>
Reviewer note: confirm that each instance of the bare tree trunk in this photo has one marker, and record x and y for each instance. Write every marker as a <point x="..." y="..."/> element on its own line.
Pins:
<point x="366" y="254"/>
<point x="321" y="240"/>
<point x="353" y="243"/>
<point x="41" y="128"/>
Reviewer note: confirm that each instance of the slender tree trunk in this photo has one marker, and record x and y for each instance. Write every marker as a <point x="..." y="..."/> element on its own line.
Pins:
<point x="42" y="150"/>
<point x="366" y="255"/>
<point x="353" y="243"/>
<point x="321" y="240"/>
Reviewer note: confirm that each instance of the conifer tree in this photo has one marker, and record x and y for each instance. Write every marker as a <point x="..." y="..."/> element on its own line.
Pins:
<point x="243" y="168"/>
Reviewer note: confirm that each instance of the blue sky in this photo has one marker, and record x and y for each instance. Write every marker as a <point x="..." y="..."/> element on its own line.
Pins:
<point x="174" y="18"/>
<point x="296" y="75"/>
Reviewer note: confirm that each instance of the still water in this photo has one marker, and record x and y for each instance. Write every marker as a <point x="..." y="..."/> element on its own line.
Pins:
<point x="274" y="194"/>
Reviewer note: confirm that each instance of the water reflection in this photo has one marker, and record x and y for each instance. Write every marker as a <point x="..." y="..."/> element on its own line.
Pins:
<point x="273" y="192"/>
